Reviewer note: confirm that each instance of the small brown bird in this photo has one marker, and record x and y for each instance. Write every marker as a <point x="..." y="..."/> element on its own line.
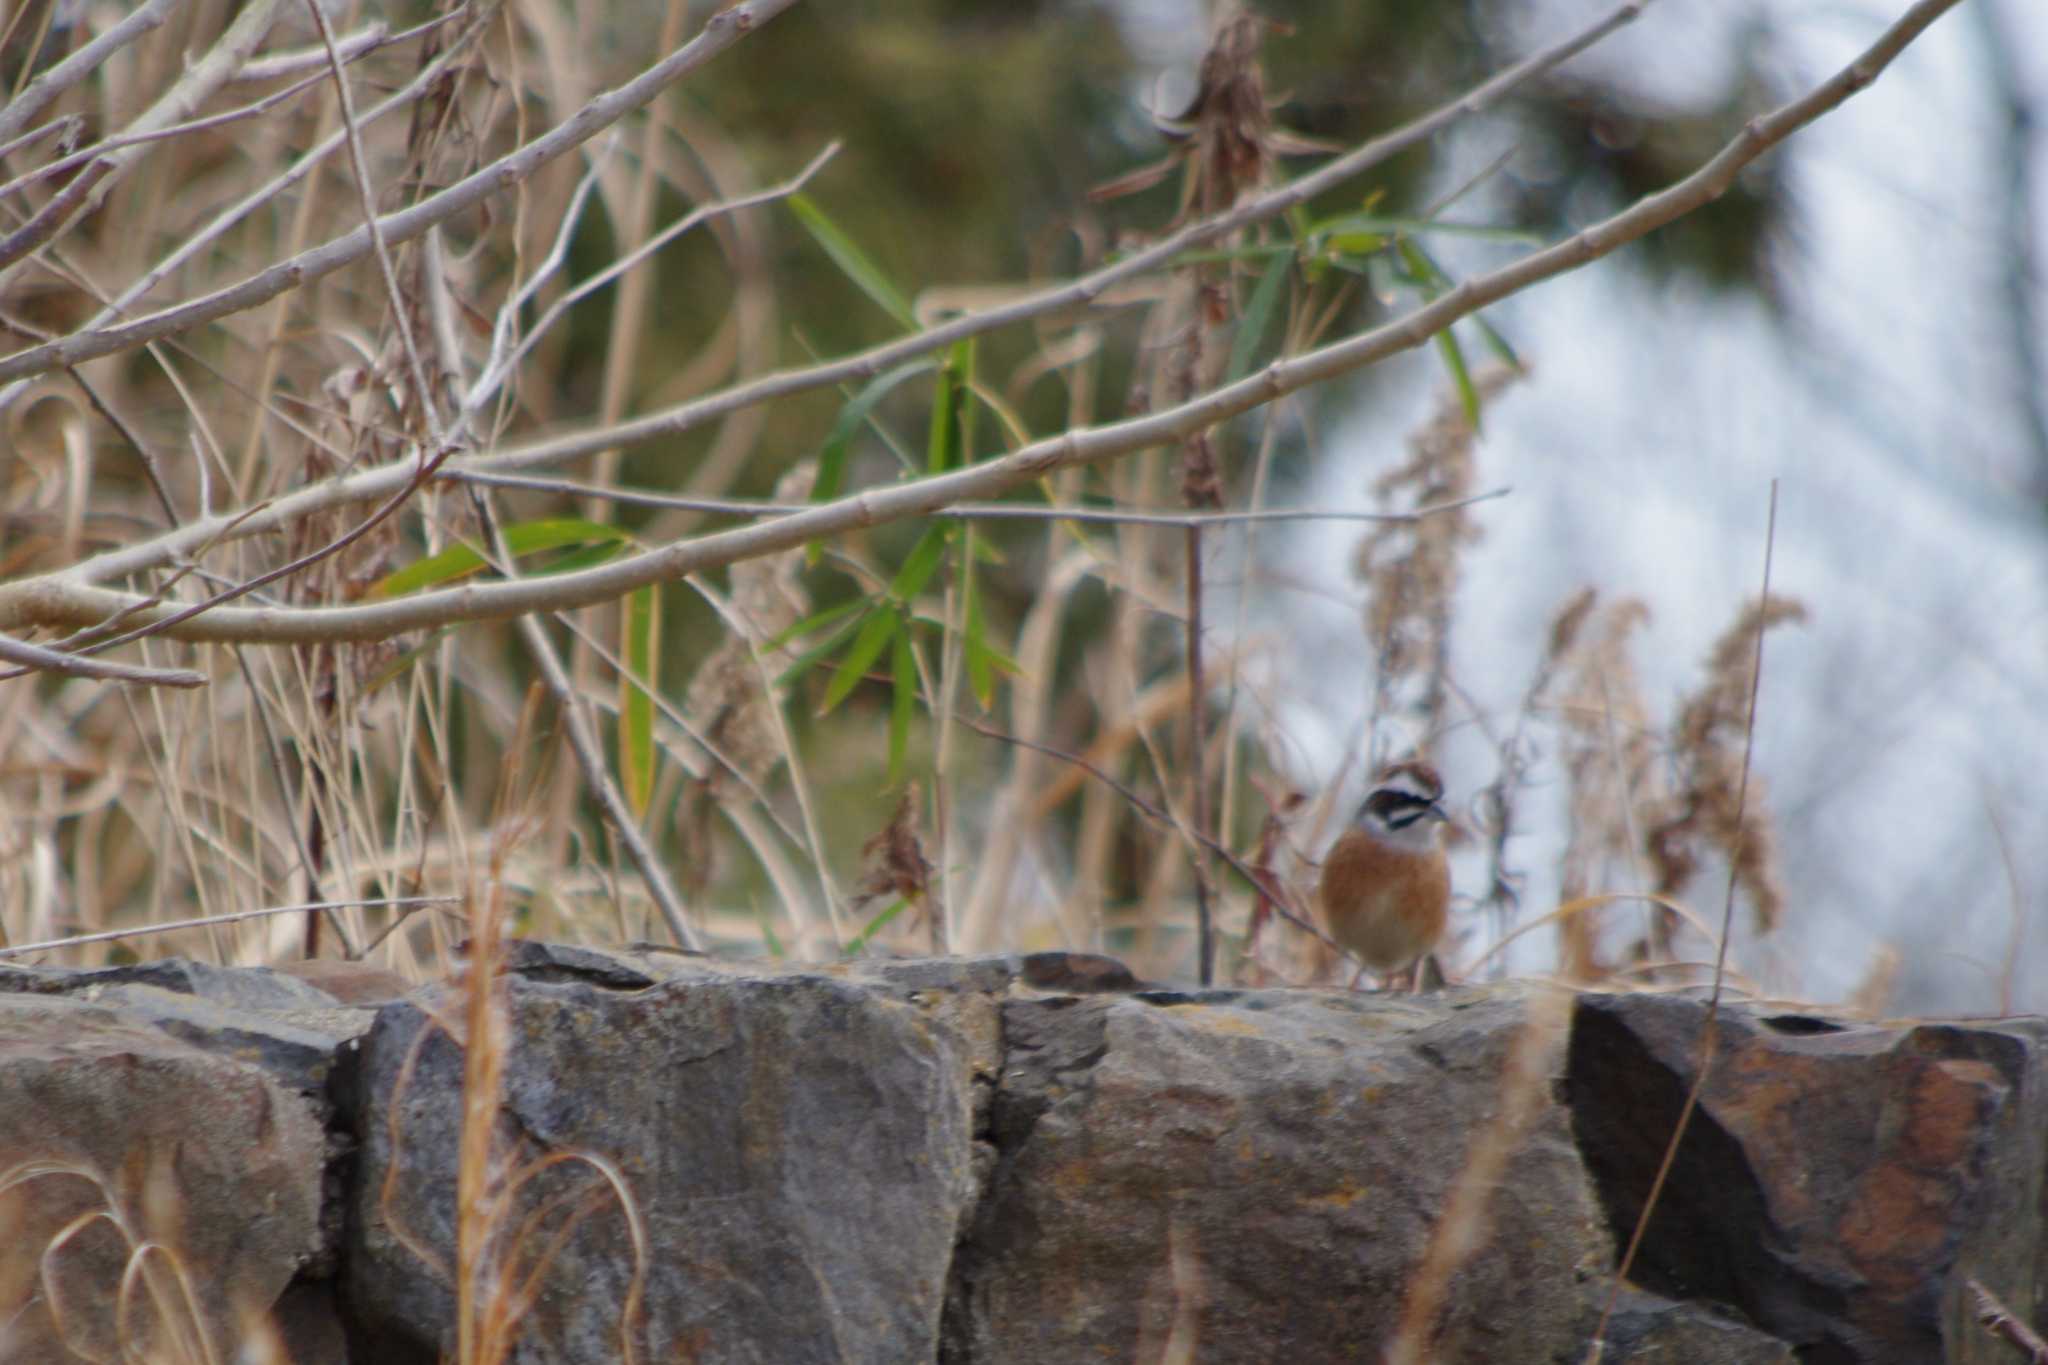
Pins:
<point x="1386" y="886"/>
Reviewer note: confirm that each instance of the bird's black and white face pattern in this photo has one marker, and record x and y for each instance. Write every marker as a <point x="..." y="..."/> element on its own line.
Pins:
<point x="1404" y="808"/>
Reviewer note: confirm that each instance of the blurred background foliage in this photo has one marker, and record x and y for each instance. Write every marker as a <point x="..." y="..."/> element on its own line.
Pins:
<point x="973" y="134"/>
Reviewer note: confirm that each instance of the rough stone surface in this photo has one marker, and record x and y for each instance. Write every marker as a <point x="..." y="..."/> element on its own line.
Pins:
<point x="1009" y="1159"/>
<point x="164" y="1143"/>
<point x="1246" y="1169"/>
<point x="1837" y="1181"/>
<point x="799" y="1148"/>
<point x="1656" y="1330"/>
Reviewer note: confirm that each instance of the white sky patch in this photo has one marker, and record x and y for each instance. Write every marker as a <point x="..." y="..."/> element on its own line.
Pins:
<point x="1914" y="703"/>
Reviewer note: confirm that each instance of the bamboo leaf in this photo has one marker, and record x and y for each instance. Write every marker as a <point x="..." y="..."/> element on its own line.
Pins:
<point x="813" y="623"/>
<point x="522" y="538"/>
<point x="832" y="455"/>
<point x="963" y="359"/>
<point x="981" y="678"/>
<point x="807" y="660"/>
<point x="902" y="705"/>
<point x="1461" y="375"/>
<point x="918" y="568"/>
<point x="859" y="942"/>
<point x="1495" y="342"/>
<point x="950" y="442"/>
<point x="874" y="636"/>
<point x="640" y="639"/>
<point x="854" y="263"/>
<point x="1258" y="312"/>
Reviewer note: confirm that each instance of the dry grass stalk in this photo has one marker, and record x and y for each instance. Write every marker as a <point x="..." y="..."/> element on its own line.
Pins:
<point x="1410" y="571"/>
<point x="1707" y="810"/>
<point x="1461" y="1224"/>
<point x="111" y="1278"/>
<point x="1610" y="754"/>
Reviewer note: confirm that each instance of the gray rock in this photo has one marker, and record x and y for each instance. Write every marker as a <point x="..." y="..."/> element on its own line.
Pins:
<point x="1255" y="1174"/>
<point x="799" y="1151"/>
<point x="200" y="1154"/>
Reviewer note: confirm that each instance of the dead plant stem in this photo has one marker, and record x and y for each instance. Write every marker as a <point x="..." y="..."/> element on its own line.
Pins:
<point x="1710" y="1032"/>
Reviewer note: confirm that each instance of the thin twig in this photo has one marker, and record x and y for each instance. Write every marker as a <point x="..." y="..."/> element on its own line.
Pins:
<point x="193" y="244"/>
<point x="966" y="511"/>
<point x="495" y="374"/>
<point x="720" y="32"/>
<point x="40" y="658"/>
<point x="1157" y="816"/>
<point x="1088" y="291"/>
<point x="359" y="164"/>
<point x="200" y="79"/>
<point x="16" y="113"/>
<point x="1198" y="744"/>
<point x="2000" y="1321"/>
<point x="198" y="125"/>
<point x="231" y="917"/>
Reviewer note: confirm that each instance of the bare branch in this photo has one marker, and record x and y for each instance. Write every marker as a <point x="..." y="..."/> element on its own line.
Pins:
<point x="423" y="393"/>
<point x="499" y="368"/>
<point x="426" y="79"/>
<point x="1088" y="290"/>
<point x="63" y="598"/>
<point x="41" y="659"/>
<point x="966" y="511"/>
<point x="231" y="917"/>
<point x="720" y="32"/>
<point x="364" y="43"/>
<point x="200" y="80"/>
<point x="16" y="113"/>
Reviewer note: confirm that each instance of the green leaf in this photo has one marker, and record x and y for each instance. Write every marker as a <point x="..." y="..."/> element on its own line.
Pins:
<point x="552" y="533"/>
<point x="1258" y="312"/>
<point x="1434" y="282"/>
<point x="1495" y="342"/>
<point x="1389" y="225"/>
<point x="811" y="657"/>
<point x="981" y="678"/>
<point x="815" y="622"/>
<point x="1356" y="243"/>
<point x="942" y="443"/>
<point x="902" y="705"/>
<point x="588" y="557"/>
<point x="858" y="411"/>
<point x="851" y="260"/>
<point x="859" y="942"/>
<point x="922" y="562"/>
<point x="963" y="361"/>
<point x="640" y="638"/>
<point x="522" y="538"/>
<point x="1461" y="375"/>
<point x="1421" y="269"/>
<point x="832" y="455"/>
<point x="874" y="636"/>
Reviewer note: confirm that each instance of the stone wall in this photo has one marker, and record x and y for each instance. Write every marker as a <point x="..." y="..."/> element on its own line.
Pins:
<point x="995" y="1160"/>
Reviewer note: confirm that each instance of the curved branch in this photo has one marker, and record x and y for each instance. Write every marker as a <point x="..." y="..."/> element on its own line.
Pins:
<point x="64" y="600"/>
<point x="373" y="484"/>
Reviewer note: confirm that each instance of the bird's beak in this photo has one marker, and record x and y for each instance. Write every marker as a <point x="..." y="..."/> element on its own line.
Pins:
<point x="1436" y="809"/>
